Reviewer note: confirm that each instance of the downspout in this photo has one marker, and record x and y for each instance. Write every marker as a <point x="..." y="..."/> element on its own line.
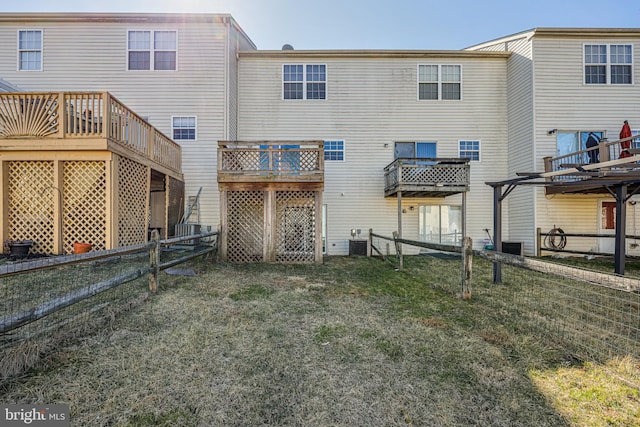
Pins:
<point x="225" y="125"/>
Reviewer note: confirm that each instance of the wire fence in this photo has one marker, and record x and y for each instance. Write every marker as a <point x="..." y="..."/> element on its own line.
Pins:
<point x="593" y="315"/>
<point x="46" y="300"/>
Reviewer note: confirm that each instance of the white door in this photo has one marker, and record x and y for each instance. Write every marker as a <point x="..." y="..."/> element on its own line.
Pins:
<point x="607" y="225"/>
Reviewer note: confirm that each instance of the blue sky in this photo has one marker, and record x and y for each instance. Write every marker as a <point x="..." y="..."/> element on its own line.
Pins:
<point x="373" y="24"/>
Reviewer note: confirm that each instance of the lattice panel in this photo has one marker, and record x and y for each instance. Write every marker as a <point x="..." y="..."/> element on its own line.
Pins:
<point x="440" y="174"/>
<point x="85" y="204"/>
<point x="296" y="224"/>
<point x="31" y="199"/>
<point x="132" y="202"/>
<point x="276" y="160"/>
<point x="29" y="115"/>
<point x="245" y="230"/>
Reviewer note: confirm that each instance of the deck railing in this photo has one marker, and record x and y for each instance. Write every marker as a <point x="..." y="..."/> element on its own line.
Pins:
<point x="603" y="152"/>
<point x="437" y="173"/>
<point x="288" y="160"/>
<point x="76" y="115"/>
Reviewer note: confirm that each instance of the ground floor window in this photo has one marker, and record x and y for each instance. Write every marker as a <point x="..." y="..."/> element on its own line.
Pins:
<point x="440" y="224"/>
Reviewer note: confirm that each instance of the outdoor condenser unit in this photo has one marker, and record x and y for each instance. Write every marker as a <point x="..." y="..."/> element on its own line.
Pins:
<point x="188" y="230"/>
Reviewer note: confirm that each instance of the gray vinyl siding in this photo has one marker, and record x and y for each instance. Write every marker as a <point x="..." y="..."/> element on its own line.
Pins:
<point x="372" y="102"/>
<point x="93" y="57"/>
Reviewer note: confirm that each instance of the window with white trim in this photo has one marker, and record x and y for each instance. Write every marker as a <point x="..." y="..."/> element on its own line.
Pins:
<point x="606" y="64"/>
<point x="30" y="50"/>
<point x="183" y="128"/>
<point x="304" y="81"/>
<point x="152" y="50"/>
<point x="334" y="150"/>
<point x="469" y="149"/>
<point x="440" y="82"/>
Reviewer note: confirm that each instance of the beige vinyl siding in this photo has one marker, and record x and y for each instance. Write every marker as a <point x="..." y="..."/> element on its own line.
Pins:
<point x="521" y="143"/>
<point x="372" y="102"/>
<point x="93" y="56"/>
<point x="564" y="102"/>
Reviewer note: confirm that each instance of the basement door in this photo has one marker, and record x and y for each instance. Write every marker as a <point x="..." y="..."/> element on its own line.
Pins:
<point x="607" y="225"/>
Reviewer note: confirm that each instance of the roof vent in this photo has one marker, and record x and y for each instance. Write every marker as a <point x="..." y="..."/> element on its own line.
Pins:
<point x="287" y="47"/>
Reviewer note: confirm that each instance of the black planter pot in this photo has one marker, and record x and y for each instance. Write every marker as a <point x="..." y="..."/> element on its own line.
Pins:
<point x="20" y="249"/>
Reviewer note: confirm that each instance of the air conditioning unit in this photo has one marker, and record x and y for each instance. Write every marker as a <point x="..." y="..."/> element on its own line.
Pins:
<point x="188" y="230"/>
<point x="513" y="248"/>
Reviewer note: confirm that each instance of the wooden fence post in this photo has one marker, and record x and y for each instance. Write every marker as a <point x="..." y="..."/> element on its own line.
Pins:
<point x="154" y="261"/>
<point x="467" y="262"/>
<point x="398" y="250"/>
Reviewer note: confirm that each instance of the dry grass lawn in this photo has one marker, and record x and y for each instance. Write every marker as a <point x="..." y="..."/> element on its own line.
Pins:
<point x="347" y="343"/>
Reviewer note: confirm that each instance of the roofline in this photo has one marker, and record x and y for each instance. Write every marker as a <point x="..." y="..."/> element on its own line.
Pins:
<point x="359" y="54"/>
<point x="133" y="18"/>
<point x="562" y="32"/>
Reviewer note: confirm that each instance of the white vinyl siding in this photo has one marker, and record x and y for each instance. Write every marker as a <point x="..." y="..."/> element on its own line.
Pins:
<point x="30" y="50"/>
<point x="197" y="87"/>
<point x="372" y="111"/>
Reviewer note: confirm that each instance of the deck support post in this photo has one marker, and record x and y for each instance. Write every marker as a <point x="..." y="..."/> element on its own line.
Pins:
<point x="497" y="231"/>
<point x="621" y="228"/>
<point x="399" y="232"/>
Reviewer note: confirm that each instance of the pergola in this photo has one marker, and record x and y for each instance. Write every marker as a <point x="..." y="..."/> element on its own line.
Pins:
<point x="613" y="177"/>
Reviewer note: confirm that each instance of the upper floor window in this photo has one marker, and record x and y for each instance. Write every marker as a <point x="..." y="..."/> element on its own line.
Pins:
<point x="30" y="50"/>
<point x="152" y="50"/>
<point x="608" y="64"/>
<point x="183" y="128"/>
<point x="304" y="81"/>
<point x="469" y="150"/>
<point x="334" y="150"/>
<point x="439" y="82"/>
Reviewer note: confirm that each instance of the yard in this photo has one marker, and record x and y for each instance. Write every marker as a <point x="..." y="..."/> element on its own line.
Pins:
<point x="351" y="342"/>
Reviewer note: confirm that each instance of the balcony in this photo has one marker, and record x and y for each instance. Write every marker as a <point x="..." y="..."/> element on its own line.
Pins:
<point x="438" y="177"/>
<point x="574" y="173"/>
<point x="270" y="162"/>
<point x="83" y="121"/>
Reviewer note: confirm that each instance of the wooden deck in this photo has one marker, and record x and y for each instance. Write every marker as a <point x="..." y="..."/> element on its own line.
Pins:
<point x="438" y="177"/>
<point x="573" y="173"/>
<point x="82" y="167"/>
<point x="83" y="121"/>
<point x="270" y="162"/>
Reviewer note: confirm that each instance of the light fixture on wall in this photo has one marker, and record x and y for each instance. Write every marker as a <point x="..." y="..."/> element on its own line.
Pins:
<point x="552" y="131"/>
<point x="386" y="145"/>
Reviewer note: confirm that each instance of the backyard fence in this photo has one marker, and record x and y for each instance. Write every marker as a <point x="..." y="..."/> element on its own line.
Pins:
<point x="45" y="300"/>
<point x="592" y="315"/>
<point x="466" y="251"/>
<point x="595" y="315"/>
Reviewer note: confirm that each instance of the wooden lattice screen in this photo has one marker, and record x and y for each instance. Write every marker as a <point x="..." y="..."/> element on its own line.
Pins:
<point x="245" y="219"/>
<point x="295" y="227"/>
<point x="31" y="198"/>
<point x="132" y="202"/>
<point x="84" y="204"/>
